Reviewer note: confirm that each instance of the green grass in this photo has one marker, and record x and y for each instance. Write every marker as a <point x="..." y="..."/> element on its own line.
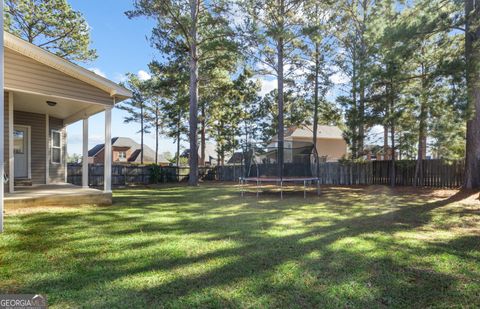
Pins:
<point x="181" y="247"/>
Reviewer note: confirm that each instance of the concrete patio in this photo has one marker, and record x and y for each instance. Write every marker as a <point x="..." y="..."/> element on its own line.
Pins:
<point x="56" y="195"/>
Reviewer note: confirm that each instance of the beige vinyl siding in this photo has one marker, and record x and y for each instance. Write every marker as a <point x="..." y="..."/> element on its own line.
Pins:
<point x="38" y="148"/>
<point x="57" y="171"/>
<point x="5" y="138"/>
<point x="25" y="74"/>
<point x="332" y="149"/>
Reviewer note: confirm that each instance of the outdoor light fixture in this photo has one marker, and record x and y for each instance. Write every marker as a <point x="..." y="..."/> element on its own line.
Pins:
<point x="51" y="103"/>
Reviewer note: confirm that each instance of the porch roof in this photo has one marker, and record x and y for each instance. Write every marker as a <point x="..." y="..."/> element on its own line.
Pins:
<point x="47" y="58"/>
<point x="44" y="83"/>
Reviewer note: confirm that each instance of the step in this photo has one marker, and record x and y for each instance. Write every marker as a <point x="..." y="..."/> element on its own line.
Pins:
<point x="23" y="182"/>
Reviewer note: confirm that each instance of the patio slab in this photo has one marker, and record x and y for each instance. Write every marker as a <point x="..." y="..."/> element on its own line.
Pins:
<point x="56" y="195"/>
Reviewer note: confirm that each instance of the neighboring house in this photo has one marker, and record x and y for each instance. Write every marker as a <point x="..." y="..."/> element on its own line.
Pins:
<point x="331" y="146"/>
<point x="211" y="156"/>
<point x="43" y="94"/>
<point x="125" y="150"/>
<point x="236" y="158"/>
<point x="376" y="152"/>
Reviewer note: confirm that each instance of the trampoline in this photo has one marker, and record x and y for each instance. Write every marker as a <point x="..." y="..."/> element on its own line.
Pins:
<point x="299" y="166"/>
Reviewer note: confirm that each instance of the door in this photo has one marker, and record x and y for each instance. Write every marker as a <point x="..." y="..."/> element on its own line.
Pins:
<point x="21" y="151"/>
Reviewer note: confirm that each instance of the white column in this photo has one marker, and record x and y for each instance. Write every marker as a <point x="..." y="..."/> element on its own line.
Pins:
<point x="11" y="157"/>
<point x="47" y="149"/>
<point x="65" y="153"/>
<point x="85" y="154"/>
<point x="2" y="118"/>
<point x="108" y="151"/>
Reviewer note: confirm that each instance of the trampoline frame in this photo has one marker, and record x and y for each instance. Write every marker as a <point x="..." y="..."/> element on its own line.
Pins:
<point x="258" y="180"/>
<point x="280" y="180"/>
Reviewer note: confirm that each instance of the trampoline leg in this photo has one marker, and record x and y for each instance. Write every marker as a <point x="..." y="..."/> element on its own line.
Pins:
<point x="318" y="187"/>
<point x="281" y="190"/>
<point x="242" y="183"/>
<point x="304" y="189"/>
<point x="257" y="189"/>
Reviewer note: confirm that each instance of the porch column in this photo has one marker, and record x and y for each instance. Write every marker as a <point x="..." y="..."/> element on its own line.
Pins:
<point x="85" y="154"/>
<point x="47" y="149"/>
<point x="11" y="156"/>
<point x="107" y="172"/>
<point x="2" y="117"/>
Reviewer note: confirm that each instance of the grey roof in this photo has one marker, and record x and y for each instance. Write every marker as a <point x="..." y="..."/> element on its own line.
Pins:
<point x="237" y="157"/>
<point x="148" y="153"/>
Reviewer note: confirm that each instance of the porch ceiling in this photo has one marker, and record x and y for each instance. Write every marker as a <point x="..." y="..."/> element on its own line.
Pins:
<point x="68" y="110"/>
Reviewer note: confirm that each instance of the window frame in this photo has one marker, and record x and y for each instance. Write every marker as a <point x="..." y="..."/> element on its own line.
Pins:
<point x="52" y="146"/>
<point x="122" y="158"/>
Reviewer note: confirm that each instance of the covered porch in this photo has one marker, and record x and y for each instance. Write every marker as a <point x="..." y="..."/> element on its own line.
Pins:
<point x="43" y="94"/>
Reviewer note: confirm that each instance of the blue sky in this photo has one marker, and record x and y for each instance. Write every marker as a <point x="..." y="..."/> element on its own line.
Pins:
<point x="122" y="47"/>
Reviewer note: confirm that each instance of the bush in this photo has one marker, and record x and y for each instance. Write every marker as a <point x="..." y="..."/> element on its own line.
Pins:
<point x="156" y="173"/>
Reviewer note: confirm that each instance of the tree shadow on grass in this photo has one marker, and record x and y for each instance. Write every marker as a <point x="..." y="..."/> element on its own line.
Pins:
<point x="346" y="260"/>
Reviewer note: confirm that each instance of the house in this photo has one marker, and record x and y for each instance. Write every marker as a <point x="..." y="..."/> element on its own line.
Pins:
<point x="236" y="158"/>
<point x="125" y="150"/>
<point x="43" y="93"/>
<point x="377" y="152"/>
<point x="331" y="146"/>
<point x="211" y="155"/>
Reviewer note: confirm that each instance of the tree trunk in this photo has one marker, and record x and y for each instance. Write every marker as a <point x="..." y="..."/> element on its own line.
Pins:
<point x="280" y="77"/>
<point x="361" y="107"/>
<point x="193" y="112"/>
<point x="156" y="134"/>
<point x="361" y="120"/>
<point x="472" y="56"/>
<point x="315" y="111"/>
<point x="422" y="133"/>
<point x="178" y="148"/>
<point x="247" y="135"/>
<point x="354" y="104"/>
<point x="202" y="136"/>
<point x="392" y="133"/>
<point x="385" y="142"/>
<point x="392" y="137"/>
<point x="142" y="131"/>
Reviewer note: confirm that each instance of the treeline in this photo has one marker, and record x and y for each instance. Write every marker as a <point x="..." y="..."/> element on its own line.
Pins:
<point x="409" y="67"/>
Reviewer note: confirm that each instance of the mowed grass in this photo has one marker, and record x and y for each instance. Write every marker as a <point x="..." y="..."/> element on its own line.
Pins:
<point x="181" y="247"/>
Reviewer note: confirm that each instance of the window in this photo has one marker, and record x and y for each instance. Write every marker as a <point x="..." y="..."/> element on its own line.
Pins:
<point x="18" y="142"/>
<point x="122" y="156"/>
<point x="56" y="146"/>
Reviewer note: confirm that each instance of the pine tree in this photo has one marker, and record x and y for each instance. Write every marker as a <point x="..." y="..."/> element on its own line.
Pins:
<point x="271" y="34"/>
<point x="137" y="106"/>
<point x="317" y="49"/>
<point x="172" y="81"/>
<point x="198" y="30"/>
<point x="51" y="24"/>
<point x="472" y="56"/>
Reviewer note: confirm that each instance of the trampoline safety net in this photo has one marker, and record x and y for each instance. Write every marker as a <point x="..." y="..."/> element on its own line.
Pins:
<point x="298" y="162"/>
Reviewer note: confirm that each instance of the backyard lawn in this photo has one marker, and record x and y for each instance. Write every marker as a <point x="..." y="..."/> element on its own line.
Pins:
<point x="178" y="247"/>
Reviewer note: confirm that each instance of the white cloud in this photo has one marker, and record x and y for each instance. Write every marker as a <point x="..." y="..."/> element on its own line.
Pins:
<point x="339" y="78"/>
<point x="268" y="85"/>
<point x="98" y="72"/>
<point x="119" y="78"/>
<point x="143" y="75"/>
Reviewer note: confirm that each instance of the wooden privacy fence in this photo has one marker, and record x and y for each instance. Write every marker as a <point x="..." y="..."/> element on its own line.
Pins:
<point x="437" y="173"/>
<point x="134" y="174"/>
